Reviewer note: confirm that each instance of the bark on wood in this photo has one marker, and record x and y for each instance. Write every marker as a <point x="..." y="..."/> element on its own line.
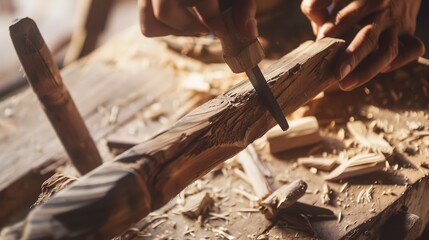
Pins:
<point x="302" y="132"/>
<point x="45" y="79"/>
<point x="147" y="176"/>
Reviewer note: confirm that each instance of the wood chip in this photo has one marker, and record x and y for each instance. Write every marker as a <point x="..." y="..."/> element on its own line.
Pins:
<point x="249" y="160"/>
<point x="198" y="205"/>
<point x="367" y="138"/>
<point x="320" y="163"/>
<point x="245" y="194"/>
<point x="344" y="187"/>
<point x="326" y="194"/>
<point x="113" y="116"/>
<point x="282" y="198"/>
<point x="302" y="132"/>
<point x="360" y="164"/>
<point x="223" y="232"/>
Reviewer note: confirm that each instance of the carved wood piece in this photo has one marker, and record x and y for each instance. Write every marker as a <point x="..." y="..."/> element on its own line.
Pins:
<point x="45" y="79"/>
<point x="282" y="198"/>
<point x="147" y="176"/>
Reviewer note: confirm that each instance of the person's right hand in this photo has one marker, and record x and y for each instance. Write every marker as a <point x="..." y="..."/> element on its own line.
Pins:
<point x="172" y="17"/>
<point x="382" y="35"/>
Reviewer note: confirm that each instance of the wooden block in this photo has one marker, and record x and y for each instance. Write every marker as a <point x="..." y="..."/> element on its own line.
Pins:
<point x="302" y="132"/>
<point x="358" y="165"/>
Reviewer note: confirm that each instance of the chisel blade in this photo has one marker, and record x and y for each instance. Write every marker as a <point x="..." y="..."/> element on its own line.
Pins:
<point x="264" y="92"/>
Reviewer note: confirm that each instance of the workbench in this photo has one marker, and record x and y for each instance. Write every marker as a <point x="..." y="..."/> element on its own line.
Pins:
<point x="134" y="88"/>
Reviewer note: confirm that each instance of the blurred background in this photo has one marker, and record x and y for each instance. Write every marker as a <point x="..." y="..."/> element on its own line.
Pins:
<point x="74" y="28"/>
<point x="58" y="20"/>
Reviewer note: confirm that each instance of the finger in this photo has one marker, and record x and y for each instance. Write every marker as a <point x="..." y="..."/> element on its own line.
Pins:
<point x="177" y="16"/>
<point x="149" y="25"/>
<point x="348" y="16"/>
<point x="410" y="48"/>
<point x="244" y="12"/>
<point x="372" y="65"/>
<point x="365" y="42"/>
<point x="211" y="15"/>
<point x="316" y="10"/>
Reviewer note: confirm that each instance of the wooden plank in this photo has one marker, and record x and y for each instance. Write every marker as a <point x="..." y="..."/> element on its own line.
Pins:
<point x="149" y="175"/>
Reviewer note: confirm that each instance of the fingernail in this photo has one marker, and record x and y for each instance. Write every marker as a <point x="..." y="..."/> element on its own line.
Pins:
<point x="320" y="35"/>
<point x="345" y="70"/>
<point x="251" y="28"/>
<point x="325" y="28"/>
<point x="349" y="84"/>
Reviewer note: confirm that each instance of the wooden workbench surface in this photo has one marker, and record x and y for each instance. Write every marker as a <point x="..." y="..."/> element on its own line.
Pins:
<point x="153" y="87"/>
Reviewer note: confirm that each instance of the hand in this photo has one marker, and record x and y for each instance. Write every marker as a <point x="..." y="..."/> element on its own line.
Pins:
<point x="172" y="17"/>
<point x="384" y="40"/>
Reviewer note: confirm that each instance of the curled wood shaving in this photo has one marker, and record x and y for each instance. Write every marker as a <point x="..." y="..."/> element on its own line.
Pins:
<point x="367" y="138"/>
<point x="344" y="187"/>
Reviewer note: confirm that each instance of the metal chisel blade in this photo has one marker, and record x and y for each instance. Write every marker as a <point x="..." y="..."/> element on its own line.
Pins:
<point x="264" y="92"/>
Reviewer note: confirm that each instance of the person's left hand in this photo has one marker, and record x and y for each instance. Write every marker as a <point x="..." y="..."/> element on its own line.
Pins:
<point x="384" y="40"/>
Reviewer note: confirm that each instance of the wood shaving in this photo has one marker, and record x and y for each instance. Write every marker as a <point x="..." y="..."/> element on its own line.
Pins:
<point x="223" y="232"/>
<point x="326" y="194"/>
<point x="344" y="187"/>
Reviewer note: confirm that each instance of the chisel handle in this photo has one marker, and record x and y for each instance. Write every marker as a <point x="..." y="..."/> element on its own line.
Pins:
<point x="240" y="53"/>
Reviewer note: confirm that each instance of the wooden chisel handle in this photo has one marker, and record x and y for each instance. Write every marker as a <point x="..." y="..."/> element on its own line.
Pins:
<point x="240" y="53"/>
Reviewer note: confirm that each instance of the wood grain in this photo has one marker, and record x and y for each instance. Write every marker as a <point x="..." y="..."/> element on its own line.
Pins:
<point x="147" y="176"/>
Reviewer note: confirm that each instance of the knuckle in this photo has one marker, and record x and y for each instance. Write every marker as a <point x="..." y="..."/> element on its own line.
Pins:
<point x="162" y="10"/>
<point x="304" y="8"/>
<point x="146" y="31"/>
<point x="421" y="49"/>
<point x="378" y="4"/>
<point x="394" y="50"/>
<point x="371" y="35"/>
